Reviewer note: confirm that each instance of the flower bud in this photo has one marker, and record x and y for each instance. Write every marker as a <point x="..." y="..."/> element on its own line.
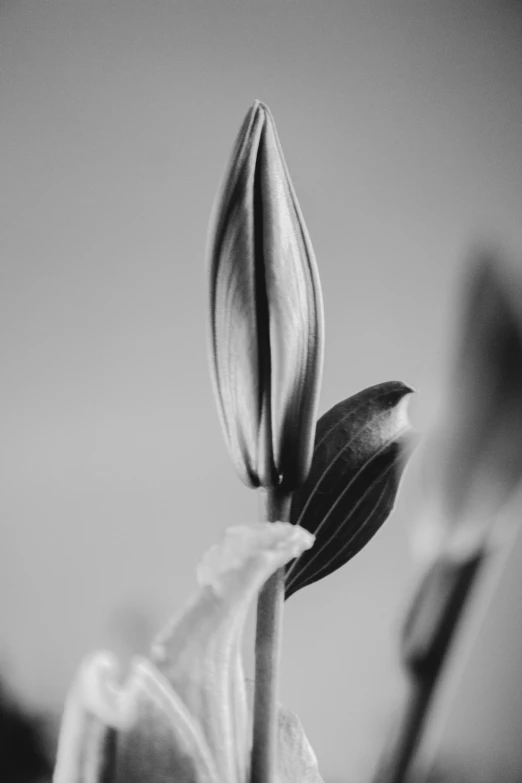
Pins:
<point x="266" y="313"/>
<point x="475" y="455"/>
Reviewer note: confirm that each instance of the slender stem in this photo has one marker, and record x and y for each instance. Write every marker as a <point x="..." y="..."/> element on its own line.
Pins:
<point x="268" y="642"/>
<point x="488" y="587"/>
<point x="396" y="762"/>
<point x="430" y="629"/>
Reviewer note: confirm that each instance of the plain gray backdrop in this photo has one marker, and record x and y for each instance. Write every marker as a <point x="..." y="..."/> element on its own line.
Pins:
<point x="402" y="127"/>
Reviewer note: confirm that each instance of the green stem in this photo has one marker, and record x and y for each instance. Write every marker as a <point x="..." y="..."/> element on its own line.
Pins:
<point x="267" y="650"/>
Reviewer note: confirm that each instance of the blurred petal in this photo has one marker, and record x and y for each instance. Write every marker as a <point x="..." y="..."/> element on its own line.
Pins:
<point x="164" y="742"/>
<point x="133" y="733"/>
<point x="182" y="718"/>
<point x="265" y="312"/>
<point x="199" y="652"/>
<point x="296" y="762"/>
<point x="86" y="743"/>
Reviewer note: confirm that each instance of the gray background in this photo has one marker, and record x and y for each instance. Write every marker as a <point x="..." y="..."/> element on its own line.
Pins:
<point x="402" y="127"/>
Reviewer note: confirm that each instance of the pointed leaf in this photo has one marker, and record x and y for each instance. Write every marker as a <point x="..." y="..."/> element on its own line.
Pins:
<point x="360" y="452"/>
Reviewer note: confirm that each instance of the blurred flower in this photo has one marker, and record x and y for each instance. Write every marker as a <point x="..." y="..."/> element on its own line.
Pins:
<point x="182" y="716"/>
<point x="474" y="465"/>
<point x="266" y="313"/>
<point x="475" y="456"/>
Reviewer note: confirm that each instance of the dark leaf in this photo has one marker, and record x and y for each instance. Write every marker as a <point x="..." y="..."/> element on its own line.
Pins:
<point x="361" y="446"/>
<point x="435" y="611"/>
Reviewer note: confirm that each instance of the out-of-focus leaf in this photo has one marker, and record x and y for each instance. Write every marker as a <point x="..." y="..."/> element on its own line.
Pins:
<point x="361" y="446"/>
<point x="435" y="611"/>
<point x="476" y="453"/>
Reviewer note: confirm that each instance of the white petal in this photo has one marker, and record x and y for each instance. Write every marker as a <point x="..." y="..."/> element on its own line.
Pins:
<point x="199" y="651"/>
<point x="296" y="760"/>
<point x="85" y="735"/>
<point x="138" y="733"/>
<point x="163" y="744"/>
<point x="187" y="723"/>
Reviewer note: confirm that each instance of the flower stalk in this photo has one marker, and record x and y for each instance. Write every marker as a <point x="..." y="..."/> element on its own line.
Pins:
<point x="266" y="354"/>
<point x="430" y="629"/>
<point x="269" y="623"/>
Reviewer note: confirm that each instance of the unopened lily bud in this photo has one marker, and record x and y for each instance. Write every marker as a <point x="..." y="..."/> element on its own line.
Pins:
<point x="266" y="313"/>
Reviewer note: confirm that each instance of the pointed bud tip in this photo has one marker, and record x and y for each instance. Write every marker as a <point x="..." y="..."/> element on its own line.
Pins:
<point x="260" y="111"/>
<point x="257" y="111"/>
<point x="406" y="388"/>
<point x="403" y="392"/>
<point x="259" y="105"/>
